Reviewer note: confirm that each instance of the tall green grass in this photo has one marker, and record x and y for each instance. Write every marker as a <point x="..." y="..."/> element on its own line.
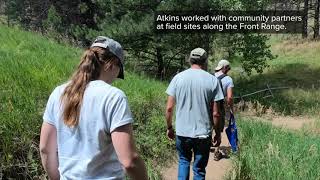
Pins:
<point x="30" y="67"/>
<point x="267" y="152"/>
<point x="297" y="66"/>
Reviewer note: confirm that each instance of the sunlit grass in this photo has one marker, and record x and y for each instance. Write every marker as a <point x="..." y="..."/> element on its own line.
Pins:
<point x="30" y="67"/>
<point x="297" y="66"/>
<point x="272" y="153"/>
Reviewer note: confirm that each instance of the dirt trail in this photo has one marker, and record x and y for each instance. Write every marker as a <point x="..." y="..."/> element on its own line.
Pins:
<point x="215" y="169"/>
<point x="288" y="122"/>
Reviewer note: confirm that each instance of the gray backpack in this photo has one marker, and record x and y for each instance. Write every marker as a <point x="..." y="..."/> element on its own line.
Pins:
<point x="220" y="78"/>
<point x="221" y="102"/>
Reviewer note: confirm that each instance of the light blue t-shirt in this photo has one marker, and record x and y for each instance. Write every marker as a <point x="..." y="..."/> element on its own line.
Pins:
<point x="86" y="151"/>
<point x="227" y="82"/>
<point x="194" y="90"/>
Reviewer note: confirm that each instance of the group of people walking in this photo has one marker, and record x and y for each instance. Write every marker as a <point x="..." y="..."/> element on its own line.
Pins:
<point x="198" y="99"/>
<point x="87" y="129"/>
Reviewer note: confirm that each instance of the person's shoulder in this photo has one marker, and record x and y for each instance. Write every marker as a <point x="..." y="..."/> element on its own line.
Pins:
<point x="229" y="78"/>
<point x="62" y="86"/>
<point x="109" y="89"/>
<point x="178" y="75"/>
<point x="186" y="71"/>
<point x="59" y="89"/>
<point x="117" y="92"/>
<point x="208" y="73"/>
<point x="56" y="93"/>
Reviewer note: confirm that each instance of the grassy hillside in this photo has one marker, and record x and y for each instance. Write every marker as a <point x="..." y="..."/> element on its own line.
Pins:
<point x="272" y="153"/>
<point x="30" y="67"/>
<point x="268" y="152"/>
<point x="297" y="67"/>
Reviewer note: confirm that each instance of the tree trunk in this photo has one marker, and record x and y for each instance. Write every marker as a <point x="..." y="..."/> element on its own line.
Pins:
<point x="316" y="20"/>
<point x="6" y="12"/>
<point x="8" y="20"/>
<point x="160" y="71"/>
<point x="305" y="20"/>
<point x="87" y="17"/>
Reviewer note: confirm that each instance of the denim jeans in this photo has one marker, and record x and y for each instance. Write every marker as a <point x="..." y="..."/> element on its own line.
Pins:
<point x="201" y="151"/>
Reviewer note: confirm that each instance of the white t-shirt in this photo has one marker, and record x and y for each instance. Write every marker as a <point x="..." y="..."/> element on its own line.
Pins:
<point x="86" y="151"/>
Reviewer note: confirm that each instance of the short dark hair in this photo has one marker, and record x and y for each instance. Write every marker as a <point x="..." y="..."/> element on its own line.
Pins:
<point x="200" y="61"/>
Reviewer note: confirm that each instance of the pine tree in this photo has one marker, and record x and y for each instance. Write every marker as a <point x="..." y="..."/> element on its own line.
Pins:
<point x="305" y="20"/>
<point x="316" y="19"/>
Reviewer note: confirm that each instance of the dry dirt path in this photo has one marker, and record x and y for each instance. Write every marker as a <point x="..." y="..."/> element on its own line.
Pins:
<point x="288" y="122"/>
<point x="215" y="169"/>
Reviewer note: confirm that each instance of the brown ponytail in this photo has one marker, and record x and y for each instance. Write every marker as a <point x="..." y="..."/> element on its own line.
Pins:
<point x="88" y="70"/>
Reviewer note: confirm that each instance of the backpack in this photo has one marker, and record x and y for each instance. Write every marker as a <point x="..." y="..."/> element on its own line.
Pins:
<point x="220" y="78"/>
<point x="221" y="102"/>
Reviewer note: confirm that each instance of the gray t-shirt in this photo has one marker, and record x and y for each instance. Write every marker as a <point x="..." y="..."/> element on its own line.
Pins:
<point x="194" y="90"/>
<point x="86" y="151"/>
<point x="227" y="82"/>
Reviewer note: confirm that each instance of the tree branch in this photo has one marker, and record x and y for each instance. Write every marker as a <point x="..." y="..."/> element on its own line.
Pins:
<point x="171" y="58"/>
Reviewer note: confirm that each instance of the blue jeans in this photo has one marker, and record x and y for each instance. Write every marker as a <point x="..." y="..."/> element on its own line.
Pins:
<point x="201" y="150"/>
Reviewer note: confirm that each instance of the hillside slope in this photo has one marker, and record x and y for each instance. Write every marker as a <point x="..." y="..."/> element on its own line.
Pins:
<point x="268" y="152"/>
<point x="30" y="67"/>
<point x="297" y="67"/>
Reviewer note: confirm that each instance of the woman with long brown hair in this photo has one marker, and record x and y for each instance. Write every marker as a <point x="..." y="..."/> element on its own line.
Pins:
<point x="87" y="128"/>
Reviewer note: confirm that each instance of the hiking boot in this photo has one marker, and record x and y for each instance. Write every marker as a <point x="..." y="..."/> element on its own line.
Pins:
<point x="217" y="155"/>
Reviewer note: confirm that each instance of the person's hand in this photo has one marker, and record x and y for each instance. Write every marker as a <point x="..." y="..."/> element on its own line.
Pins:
<point x="217" y="140"/>
<point x="231" y="111"/>
<point x="170" y="133"/>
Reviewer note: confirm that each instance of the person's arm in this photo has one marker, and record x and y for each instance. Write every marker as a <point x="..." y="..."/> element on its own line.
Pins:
<point x="169" y="114"/>
<point x="124" y="145"/>
<point x="230" y="99"/>
<point x="216" y="123"/>
<point x="48" y="150"/>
